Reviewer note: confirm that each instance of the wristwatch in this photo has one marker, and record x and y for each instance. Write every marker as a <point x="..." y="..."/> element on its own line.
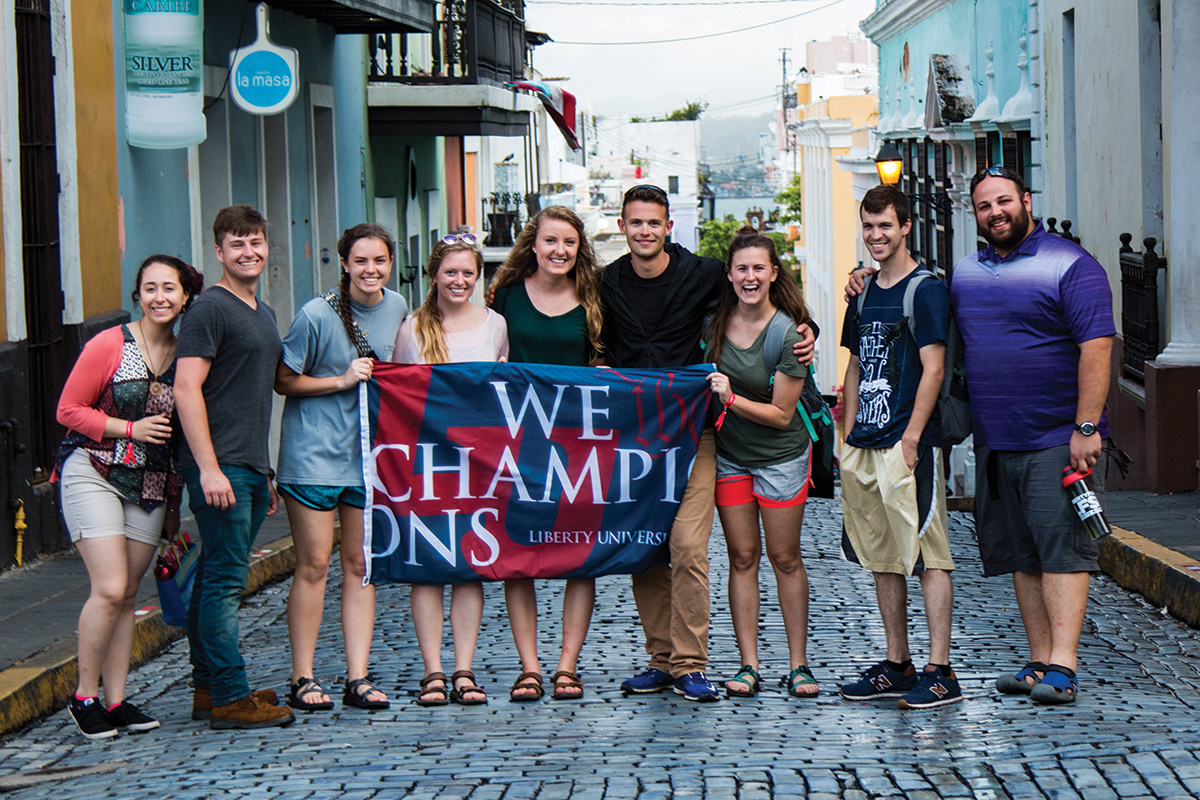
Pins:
<point x="1086" y="428"/>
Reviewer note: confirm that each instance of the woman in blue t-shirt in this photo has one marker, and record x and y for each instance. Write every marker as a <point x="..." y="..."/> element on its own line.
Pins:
<point x="327" y="353"/>
<point x="762" y="452"/>
<point x="549" y="294"/>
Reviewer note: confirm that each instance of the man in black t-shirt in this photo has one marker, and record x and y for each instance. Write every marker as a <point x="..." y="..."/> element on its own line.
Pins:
<point x="228" y="350"/>
<point x="654" y="302"/>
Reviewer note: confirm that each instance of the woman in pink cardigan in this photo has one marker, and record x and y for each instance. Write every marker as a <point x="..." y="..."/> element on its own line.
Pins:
<point x="119" y="487"/>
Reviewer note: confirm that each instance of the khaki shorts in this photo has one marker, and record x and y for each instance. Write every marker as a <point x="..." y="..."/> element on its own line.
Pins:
<point x="895" y="518"/>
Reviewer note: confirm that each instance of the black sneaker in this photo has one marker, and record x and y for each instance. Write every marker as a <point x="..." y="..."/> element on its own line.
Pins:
<point x="91" y="718"/>
<point x="129" y="717"/>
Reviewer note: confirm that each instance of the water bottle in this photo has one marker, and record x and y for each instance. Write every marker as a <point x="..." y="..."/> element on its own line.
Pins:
<point x="164" y="73"/>
<point x="1086" y="503"/>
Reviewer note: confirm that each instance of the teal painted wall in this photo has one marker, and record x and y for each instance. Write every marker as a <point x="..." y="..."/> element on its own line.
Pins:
<point x="967" y="27"/>
<point x="153" y="184"/>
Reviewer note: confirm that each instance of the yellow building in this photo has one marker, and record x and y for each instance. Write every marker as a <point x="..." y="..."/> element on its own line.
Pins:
<point x="828" y="247"/>
<point x="60" y="236"/>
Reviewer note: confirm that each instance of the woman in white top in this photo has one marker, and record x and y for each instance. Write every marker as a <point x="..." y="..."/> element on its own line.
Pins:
<point x="447" y="328"/>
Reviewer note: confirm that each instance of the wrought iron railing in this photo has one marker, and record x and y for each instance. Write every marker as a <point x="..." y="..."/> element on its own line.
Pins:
<point x="473" y="41"/>
<point x="1139" y="306"/>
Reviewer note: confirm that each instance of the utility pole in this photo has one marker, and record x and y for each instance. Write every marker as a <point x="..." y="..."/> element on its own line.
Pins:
<point x="787" y="101"/>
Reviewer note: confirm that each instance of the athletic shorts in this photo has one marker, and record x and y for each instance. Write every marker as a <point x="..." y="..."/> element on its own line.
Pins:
<point x="325" y="498"/>
<point x="894" y="518"/>
<point x="93" y="508"/>
<point x="1023" y="516"/>
<point x="777" y="486"/>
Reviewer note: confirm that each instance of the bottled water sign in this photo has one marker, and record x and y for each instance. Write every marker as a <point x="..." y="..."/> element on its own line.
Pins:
<point x="164" y="63"/>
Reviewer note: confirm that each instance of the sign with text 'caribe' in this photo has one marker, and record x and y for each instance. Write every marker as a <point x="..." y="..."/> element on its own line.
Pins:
<point x="264" y="78"/>
<point x="485" y="471"/>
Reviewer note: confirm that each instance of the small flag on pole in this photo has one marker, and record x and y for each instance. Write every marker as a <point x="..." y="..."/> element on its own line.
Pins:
<point x="558" y="102"/>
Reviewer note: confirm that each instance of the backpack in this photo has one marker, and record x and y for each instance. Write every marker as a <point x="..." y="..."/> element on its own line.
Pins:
<point x="953" y="404"/>
<point x="812" y="409"/>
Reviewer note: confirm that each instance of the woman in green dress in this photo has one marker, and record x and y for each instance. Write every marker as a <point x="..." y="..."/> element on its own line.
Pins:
<point x="548" y="292"/>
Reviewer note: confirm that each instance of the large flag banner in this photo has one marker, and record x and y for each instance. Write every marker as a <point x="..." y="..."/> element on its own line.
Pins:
<point x="484" y="471"/>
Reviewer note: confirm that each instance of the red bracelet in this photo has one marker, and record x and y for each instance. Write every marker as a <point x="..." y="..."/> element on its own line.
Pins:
<point x="721" y="418"/>
<point x="129" y="430"/>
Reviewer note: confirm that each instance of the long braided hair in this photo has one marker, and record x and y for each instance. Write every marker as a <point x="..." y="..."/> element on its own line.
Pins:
<point x="521" y="263"/>
<point x="784" y="294"/>
<point x="365" y="230"/>
<point x="431" y="334"/>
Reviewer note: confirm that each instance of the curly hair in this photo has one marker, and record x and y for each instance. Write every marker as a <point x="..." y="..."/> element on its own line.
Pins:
<point x="365" y="230"/>
<point x="430" y="331"/>
<point x="190" y="279"/>
<point x="784" y="294"/>
<point x="522" y="262"/>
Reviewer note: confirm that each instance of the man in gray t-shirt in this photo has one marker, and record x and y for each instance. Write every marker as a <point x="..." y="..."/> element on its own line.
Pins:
<point x="228" y="350"/>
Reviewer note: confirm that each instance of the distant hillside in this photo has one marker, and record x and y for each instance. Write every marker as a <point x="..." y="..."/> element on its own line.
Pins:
<point x="725" y="138"/>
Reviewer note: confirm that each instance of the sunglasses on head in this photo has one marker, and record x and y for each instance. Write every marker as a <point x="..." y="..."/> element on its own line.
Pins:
<point x="646" y="187"/>
<point x="997" y="171"/>
<point x="465" y="238"/>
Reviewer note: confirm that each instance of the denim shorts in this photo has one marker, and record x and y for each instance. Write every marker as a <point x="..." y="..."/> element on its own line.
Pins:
<point x="325" y="498"/>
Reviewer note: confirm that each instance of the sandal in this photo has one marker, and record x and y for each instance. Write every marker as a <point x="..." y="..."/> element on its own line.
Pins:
<point x="459" y="694"/>
<point x="531" y="684"/>
<point x="1016" y="683"/>
<point x="1059" y="685"/>
<point x="747" y="675"/>
<point x="356" y="695"/>
<point x="570" y="681"/>
<point x="439" y="692"/>
<point x="801" y="676"/>
<point x="302" y="688"/>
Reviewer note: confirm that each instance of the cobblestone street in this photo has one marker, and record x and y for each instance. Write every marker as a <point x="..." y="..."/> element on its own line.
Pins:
<point x="1135" y="732"/>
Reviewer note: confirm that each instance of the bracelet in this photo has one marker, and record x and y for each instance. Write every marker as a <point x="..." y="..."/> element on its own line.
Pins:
<point x="129" y="429"/>
<point x="721" y="418"/>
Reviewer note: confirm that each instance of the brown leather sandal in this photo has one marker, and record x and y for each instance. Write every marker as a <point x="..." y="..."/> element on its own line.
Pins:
<point x="459" y="694"/>
<point x="427" y="689"/>
<point x="570" y="680"/>
<point x="530" y="682"/>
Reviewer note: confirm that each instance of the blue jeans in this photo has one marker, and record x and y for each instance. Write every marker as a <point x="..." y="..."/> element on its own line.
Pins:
<point x="225" y="540"/>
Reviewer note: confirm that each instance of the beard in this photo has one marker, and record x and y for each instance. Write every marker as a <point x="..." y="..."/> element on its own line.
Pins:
<point x="1018" y="229"/>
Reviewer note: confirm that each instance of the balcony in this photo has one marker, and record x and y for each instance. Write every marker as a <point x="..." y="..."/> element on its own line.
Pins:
<point x="365" y="16"/>
<point x="449" y="82"/>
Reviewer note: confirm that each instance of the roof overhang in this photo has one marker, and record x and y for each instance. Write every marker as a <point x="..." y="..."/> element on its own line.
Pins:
<point x="365" y="16"/>
<point x="447" y="110"/>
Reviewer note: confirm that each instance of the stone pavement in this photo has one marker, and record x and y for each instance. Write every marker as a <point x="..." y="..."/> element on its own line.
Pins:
<point x="1135" y="732"/>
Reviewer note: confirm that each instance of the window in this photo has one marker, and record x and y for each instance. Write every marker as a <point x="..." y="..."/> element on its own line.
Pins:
<point x="673" y="184"/>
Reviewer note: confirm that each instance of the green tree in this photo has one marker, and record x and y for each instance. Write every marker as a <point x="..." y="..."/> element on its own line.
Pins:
<point x="692" y="110"/>
<point x="717" y="234"/>
<point x="790" y="197"/>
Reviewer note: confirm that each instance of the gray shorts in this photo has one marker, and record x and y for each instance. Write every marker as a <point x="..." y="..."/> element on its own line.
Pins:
<point x="777" y="486"/>
<point x="1023" y="517"/>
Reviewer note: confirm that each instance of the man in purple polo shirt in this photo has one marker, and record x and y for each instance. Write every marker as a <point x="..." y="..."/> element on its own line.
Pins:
<point x="1035" y="312"/>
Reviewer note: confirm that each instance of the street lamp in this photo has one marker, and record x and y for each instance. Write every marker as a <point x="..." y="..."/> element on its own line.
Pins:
<point x="888" y="164"/>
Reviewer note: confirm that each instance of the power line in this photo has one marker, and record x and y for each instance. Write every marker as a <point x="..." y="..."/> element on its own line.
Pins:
<point x="703" y="35"/>
<point x="665" y="3"/>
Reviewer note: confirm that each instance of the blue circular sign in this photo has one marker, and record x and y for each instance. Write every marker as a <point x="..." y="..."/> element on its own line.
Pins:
<point x="263" y="79"/>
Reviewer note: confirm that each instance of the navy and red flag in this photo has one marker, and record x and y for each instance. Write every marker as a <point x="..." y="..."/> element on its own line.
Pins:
<point x="485" y="471"/>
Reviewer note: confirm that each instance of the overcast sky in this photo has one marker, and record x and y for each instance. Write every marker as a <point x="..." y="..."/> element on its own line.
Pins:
<point x="736" y="73"/>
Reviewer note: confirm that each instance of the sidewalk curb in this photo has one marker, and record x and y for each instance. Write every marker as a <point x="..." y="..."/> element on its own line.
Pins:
<point x="1166" y="578"/>
<point x="41" y="684"/>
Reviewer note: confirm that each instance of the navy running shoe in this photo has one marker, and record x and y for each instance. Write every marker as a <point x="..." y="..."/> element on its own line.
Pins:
<point x="932" y="690"/>
<point x="648" y="682"/>
<point x="880" y="682"/>
<point x="697" y="688"/>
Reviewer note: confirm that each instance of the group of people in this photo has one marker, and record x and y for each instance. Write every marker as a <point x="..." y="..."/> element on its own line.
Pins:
<point x="150" y="412"/>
